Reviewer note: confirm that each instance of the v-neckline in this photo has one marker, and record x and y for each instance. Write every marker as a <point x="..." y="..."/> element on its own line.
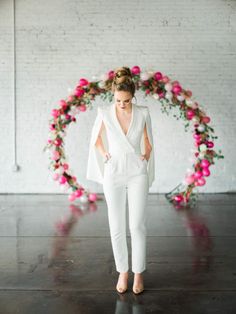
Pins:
<point x="118" y="122"/>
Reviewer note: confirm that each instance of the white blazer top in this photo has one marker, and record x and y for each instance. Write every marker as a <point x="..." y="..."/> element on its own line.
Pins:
<point x="116" y="141"/>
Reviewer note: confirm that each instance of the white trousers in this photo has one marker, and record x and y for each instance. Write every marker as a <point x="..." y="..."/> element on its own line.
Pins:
<point x="136" y="187"/>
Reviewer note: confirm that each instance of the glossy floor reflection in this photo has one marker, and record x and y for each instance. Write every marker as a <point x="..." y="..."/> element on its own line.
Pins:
<point x="57" y="258"/>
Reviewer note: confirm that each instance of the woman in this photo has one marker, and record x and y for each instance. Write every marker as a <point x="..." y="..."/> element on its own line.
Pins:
<point x="119" y="135"/>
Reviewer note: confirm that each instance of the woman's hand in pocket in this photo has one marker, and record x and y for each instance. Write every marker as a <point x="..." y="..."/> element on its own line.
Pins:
<point x="106" y="156"/>
<point x="142" y="157"/>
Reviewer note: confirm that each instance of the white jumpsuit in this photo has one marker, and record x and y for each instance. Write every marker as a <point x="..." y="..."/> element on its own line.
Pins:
<point x="124" y="172"/>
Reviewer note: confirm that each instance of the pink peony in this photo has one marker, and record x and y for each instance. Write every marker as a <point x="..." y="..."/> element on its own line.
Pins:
<point x="158" y="76"/>
<point x="196" y="136"/>
<point x="198" y="174"/>
<point x="79" y="92"/>
<point x="83" y="82"/>
<point x="190" y="179"/>
<point x="58" y="142"/>
<point x="111" y="75"/>
<point x="205" y="163"/>
<point x="62" y="180"/>
<point x="178" y="198"/>
<point x="63" y="103"/>
<point x="176" y="89"/>
<point x="55" y="113"/>
<point x="206" y="172"/>
<point x="190" y="114"/>
<point x="201" y="181"/>
<point x="205" y="119"/>
<point x="78" y="193"/>
<point x="135" y="70"/>
<point x="210" y="144"/>
<point x="70" y="98"/>
<point x="92" y="197"/>
<point x="165" y="79"/>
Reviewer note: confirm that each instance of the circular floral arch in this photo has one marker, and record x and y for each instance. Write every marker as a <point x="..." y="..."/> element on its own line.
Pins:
<point x="169" y="94"/>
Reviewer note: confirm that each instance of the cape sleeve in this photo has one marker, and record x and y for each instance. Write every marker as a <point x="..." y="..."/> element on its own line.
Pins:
<point x="95" y="165"/>
<point x="151" y="161"/>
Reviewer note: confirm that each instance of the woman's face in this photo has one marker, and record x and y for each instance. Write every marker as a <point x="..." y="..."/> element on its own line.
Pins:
<point x="123" y="99"/>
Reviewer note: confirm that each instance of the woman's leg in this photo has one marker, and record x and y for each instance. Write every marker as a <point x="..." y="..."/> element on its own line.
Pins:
<point x="116" y="204"/>
<point x="137" y="200"/>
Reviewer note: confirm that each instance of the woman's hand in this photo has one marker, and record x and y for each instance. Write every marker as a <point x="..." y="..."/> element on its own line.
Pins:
<point x="145" y="156"/>
<point x="106" y="156"/>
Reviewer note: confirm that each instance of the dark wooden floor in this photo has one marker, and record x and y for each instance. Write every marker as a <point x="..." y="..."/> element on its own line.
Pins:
<point x="57" y="258"/>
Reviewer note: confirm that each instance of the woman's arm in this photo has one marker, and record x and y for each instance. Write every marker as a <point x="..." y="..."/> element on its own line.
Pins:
<point x="99" y="142"/>
<point x="147" y="144"/>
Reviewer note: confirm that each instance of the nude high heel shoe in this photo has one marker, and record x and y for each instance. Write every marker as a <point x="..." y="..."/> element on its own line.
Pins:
<point x="121" y="290"/>
<point x="138" y="290"/>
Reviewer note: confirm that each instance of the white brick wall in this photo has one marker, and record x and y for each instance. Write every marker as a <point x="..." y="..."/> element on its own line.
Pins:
<point x="58" y="42"/>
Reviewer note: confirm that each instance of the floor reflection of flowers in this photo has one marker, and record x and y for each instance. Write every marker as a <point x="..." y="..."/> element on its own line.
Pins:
<point x="199" y="235"/>
<point x="60" y="261"/>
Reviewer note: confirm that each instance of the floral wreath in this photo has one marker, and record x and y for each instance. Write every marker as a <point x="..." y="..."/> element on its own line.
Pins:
<point x="169" y="94"/>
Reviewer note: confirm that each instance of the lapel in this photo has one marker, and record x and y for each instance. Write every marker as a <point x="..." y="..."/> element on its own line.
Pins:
<point x="124" y="137"/>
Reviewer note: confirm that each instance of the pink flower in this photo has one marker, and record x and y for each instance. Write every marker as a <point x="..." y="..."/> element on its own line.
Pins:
<point x="83" y="82"/>
<point x="190" y="114"/>
<point x="197" y="174"/>
<point x="206" y="172"/>
<point x="79" y="92"/>
<point x="55" y="113"/>
<point x="82" y="108"/>
<point x="158" y="76"/>
<point x="55" y="155"/>
<point x="205" y="163"/>
<point x="70" y="98"/>
<point x="52" y="127"/>
<point x="178" y="198"/>
<point x="165" y="79"/>
<point x="62" y="180"/>
<point x="201" y="181"/>
<point x="197" y="136"/>
<point x="210" y="144"/>
<point x="135" y="70"/>
<point x="55" y="176"/>
<point x="190" y="179"/>
<point x="111" y="75"/>
<point x="63" y="103"/>
<point x="176" y="89"/>
<point x="206" y="119"/>
<point x="78" y="193"/>
<point x="161" y="94"/>
<point x="92" y="197"/>
<point x="58" y="142"/>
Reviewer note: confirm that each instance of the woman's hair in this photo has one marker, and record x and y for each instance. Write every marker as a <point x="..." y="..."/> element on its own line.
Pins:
<point x="122" y="81"/>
